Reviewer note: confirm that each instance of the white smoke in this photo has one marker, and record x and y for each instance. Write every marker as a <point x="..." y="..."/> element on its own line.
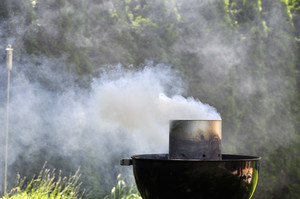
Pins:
<point x="124" y="112"/>
<point x="137" y="102"/>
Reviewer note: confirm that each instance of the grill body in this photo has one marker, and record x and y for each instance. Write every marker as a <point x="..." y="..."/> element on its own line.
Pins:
<point x="158" y="177"/>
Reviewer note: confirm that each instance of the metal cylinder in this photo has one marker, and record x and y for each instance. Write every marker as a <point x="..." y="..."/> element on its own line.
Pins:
<point x="195" y="139"/>
<point x="9" y="56"/>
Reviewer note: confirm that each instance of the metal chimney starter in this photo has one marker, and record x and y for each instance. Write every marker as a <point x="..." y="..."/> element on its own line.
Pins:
<point x="195" y="139"/>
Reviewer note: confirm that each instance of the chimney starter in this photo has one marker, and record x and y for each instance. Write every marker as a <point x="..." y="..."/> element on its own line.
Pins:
<point x="195" y="139"/>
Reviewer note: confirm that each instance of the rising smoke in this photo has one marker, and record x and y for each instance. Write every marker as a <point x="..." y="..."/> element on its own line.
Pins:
<point x="129" y="101"/>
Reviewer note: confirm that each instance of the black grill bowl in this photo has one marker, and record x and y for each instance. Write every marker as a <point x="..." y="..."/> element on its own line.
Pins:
<point x="157" y="177"/>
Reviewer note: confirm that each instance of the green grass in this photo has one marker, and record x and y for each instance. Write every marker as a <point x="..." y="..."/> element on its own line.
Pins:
<point x="47" y="186"/>
<point x="123" y="191"/>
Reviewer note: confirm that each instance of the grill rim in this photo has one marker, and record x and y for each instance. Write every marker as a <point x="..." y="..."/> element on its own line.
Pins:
<point x="163" y="157"/>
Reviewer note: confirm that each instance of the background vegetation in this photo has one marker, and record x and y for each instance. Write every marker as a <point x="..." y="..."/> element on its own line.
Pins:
<point x="240" y="56"/>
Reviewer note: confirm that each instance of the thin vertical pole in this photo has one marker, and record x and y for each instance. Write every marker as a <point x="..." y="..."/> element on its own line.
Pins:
<point x="9" y="54"/>
<point x="6" y="132"/>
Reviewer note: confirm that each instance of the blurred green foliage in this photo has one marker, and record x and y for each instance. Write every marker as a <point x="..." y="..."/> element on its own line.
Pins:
<point x="47" y="185"/>
<point x="123" y="191"/>
<point x="264" y="34"/>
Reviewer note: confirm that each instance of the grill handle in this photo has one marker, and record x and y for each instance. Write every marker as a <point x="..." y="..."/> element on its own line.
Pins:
<point x="126" y="162"/>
